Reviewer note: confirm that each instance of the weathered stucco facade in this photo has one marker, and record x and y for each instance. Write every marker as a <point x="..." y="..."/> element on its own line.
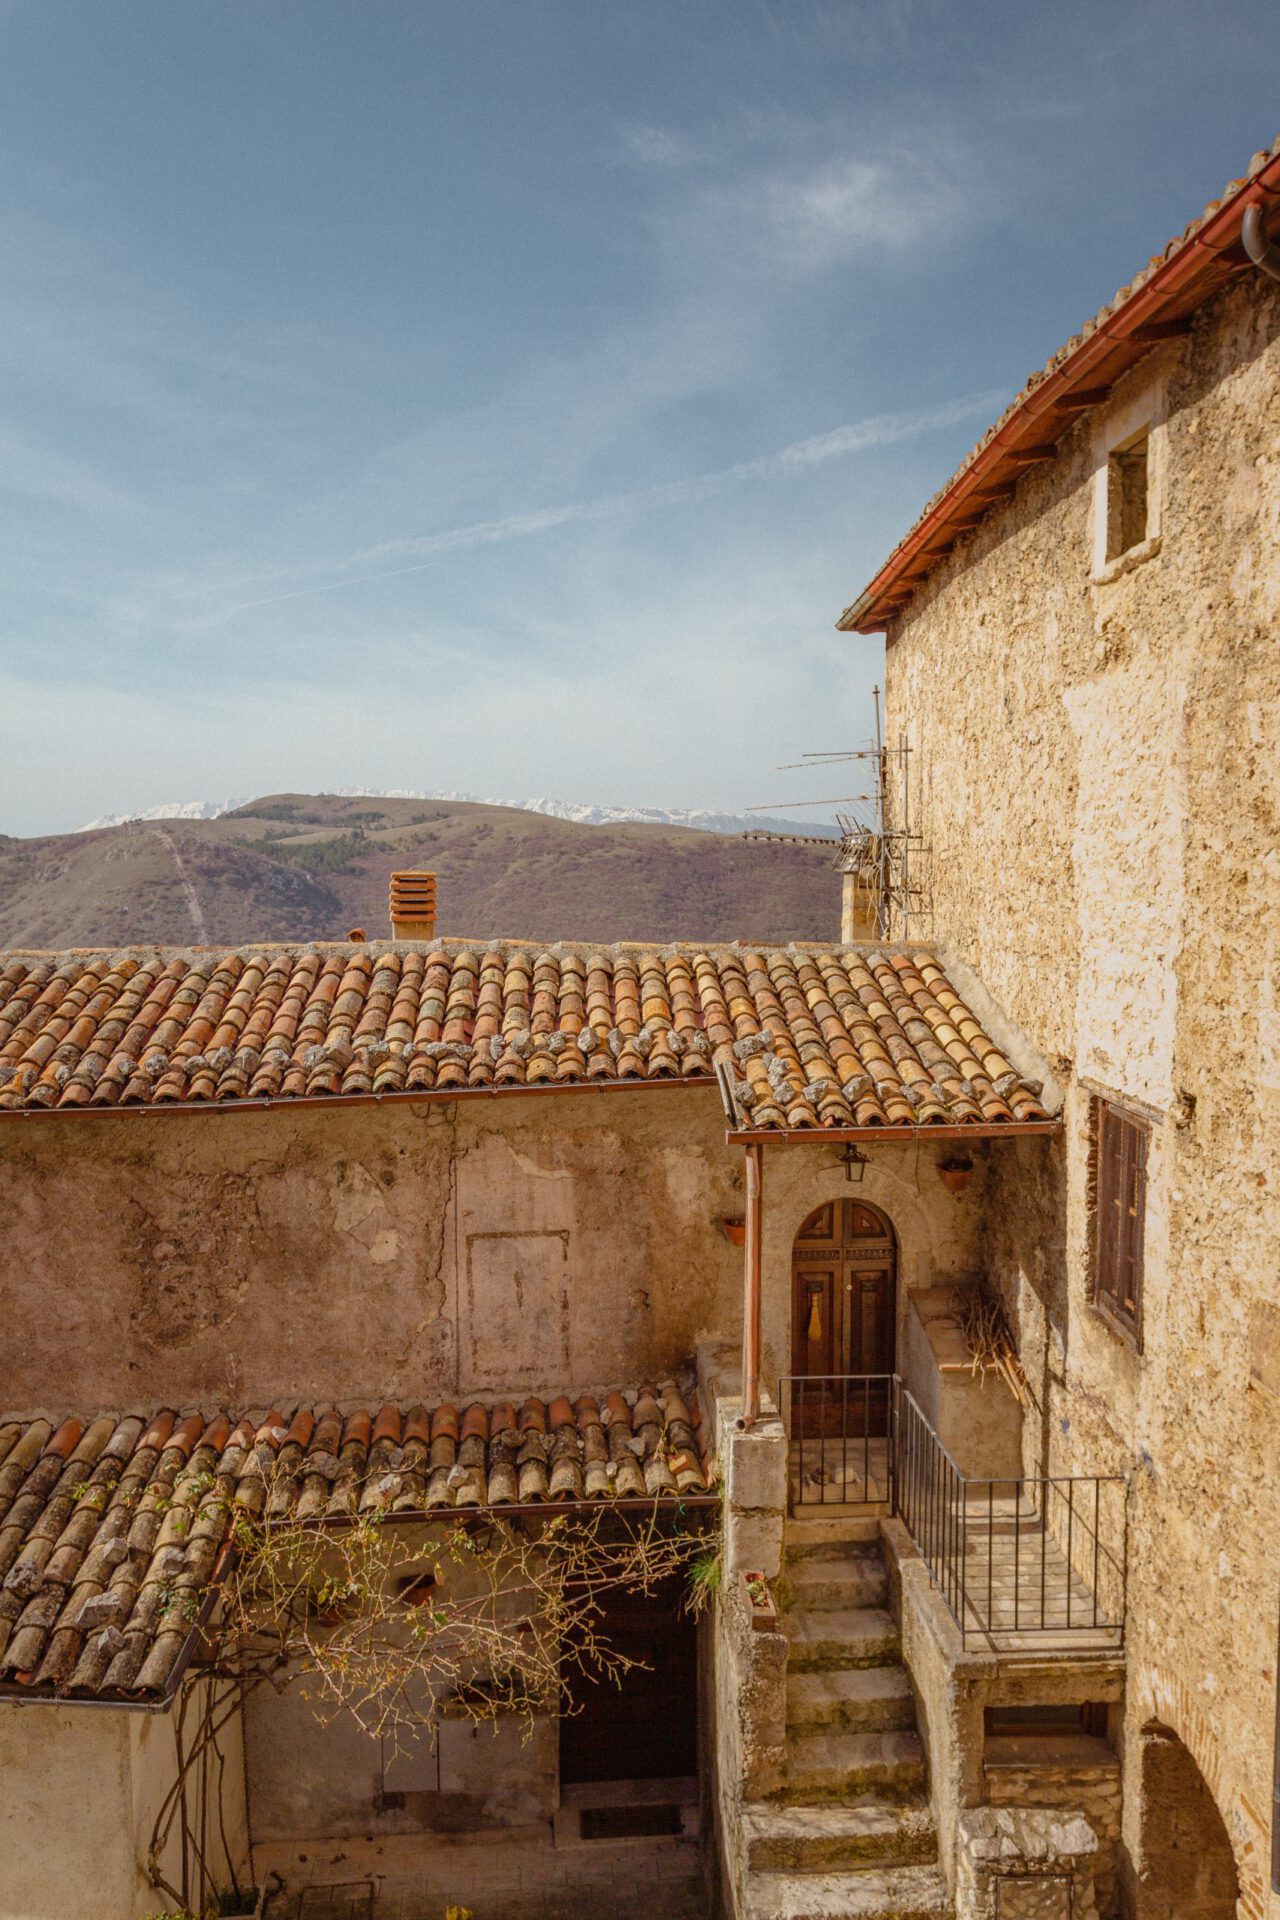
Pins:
<point x="518" y="1244"/>
<point x="1097" y="778"/>
<point x="357" y="1253"/>
<point x="361" y="1254"/>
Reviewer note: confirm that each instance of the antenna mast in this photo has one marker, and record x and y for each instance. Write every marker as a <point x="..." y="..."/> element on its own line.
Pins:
<point x="886" y="856"/>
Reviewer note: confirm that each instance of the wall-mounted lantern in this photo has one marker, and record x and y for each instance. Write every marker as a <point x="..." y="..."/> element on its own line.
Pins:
<point x="854" y="1163"/>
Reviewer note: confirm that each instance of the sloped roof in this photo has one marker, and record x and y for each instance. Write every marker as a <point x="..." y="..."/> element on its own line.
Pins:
<point x="112" y="1529"/>
<point x="805" y="1037"/>
<point x="1156" y="304"/>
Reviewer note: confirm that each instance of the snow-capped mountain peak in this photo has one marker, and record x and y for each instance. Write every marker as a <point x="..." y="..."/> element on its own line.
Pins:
<point x="703" y="819"/>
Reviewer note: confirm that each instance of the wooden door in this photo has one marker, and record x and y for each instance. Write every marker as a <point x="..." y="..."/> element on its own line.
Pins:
<point x="646" y="1726"/>
<point x="842" y="1318"/>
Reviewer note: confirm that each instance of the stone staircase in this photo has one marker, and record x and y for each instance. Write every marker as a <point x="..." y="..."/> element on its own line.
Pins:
<point x="850" y="1836"/>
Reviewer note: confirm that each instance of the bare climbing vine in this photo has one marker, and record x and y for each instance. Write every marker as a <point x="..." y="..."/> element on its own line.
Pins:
<point x="402" y="1621"/>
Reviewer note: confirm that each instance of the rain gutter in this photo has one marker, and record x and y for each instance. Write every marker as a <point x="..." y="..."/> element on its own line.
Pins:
<point x="975" y="1130"/>
<point x="396" y="1097"/>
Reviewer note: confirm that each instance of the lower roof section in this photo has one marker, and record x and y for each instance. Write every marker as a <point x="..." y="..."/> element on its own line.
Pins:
<point x="113" y="1529"/>
<point x="800" y="1037"/>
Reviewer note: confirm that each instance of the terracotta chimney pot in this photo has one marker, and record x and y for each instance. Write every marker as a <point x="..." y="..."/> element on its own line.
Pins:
<point x="413" y="906"/>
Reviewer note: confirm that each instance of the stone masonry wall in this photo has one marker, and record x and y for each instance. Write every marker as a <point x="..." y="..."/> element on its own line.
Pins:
<point x="1091" y="1791"/>
<point x="1098" y="778"/>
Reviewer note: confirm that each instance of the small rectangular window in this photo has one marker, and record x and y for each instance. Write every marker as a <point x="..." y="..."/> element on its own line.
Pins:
<point x="1119" y="1182"/>
<point x="1127" y="495"/>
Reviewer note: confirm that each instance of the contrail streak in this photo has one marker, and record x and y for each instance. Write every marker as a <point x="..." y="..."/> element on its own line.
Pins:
<point x="879" y="430"/>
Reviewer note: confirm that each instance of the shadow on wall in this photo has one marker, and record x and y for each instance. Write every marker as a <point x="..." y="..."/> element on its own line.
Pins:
<point x="1025" y="1247"/>
<point x="1187" y="1869"/>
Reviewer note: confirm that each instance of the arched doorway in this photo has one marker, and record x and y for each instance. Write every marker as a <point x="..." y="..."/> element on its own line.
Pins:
<point x="1187" y="1869"/>
<point x="843" y="1292"/>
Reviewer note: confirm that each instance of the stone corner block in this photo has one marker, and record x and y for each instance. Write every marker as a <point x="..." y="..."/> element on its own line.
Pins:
<point x="756" y="1469"/>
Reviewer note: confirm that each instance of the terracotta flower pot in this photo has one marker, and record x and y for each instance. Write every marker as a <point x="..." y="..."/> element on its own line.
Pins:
<point x="735" y="1232"/>
<point x="956" y="1174"/>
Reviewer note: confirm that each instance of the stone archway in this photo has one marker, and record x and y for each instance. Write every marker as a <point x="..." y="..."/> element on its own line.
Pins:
<point x="1186" y="1866"/>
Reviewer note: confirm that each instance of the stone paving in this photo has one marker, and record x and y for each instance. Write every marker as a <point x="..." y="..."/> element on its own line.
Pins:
<point x="839" y="1472"/>
<point x="1019" y="1593"/>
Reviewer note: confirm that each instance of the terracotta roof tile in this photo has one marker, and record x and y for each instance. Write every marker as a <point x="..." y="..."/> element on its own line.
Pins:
<point x="815" y="1038"/>
<point x="111" y="1529"/>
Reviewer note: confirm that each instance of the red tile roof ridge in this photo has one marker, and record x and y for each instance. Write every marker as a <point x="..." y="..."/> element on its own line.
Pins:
<point x="866" y="614"/>
<point x="451" y="944"/>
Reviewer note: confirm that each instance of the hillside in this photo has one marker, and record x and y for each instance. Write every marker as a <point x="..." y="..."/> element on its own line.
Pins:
<point x="301" y="867"/>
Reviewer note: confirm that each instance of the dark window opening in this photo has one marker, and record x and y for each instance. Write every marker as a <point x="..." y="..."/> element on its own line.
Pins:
<point x="416" y="1590"/>
<point x="1118" y="1185"/>
<point x="1127" y="496"/>
<point x="1082" y="1717"/>
<point x="629" y="1823"/>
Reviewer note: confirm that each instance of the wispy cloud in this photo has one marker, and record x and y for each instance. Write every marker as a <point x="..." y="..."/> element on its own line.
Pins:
<point x="878" y="430"/>
<point x="31" y="470"/>
<point x="813" y="218"/>
<point x="654" y="146"/>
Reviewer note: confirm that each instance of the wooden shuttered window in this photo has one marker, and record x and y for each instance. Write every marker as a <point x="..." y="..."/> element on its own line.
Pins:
<point x="1120" y="1188"/>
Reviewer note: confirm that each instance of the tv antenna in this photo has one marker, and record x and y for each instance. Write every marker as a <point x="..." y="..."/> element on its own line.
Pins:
<point x="879" y="841"/>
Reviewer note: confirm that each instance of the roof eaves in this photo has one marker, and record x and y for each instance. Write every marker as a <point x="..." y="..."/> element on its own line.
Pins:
<point x="1157" y="304"/>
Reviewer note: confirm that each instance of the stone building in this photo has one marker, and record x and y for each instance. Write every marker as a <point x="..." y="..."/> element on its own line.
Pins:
<point x="457" y="1231"/>
<point x="929" y="1280"/>
<point x="1082" y="656"/>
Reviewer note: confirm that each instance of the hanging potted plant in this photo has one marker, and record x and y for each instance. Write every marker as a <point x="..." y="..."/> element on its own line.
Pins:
<point x="955" y="1172"/>
<point x="244" y="1903"/>
<point x="734" y="1231"/>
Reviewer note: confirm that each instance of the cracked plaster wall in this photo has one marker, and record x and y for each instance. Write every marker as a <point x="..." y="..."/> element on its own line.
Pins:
<point x="1099" y="779"/>
<point x="361" y="1253"/>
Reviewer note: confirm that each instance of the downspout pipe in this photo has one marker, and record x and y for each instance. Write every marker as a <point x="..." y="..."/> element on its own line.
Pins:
<point x="1275" y="1794"/>
<point x="751" y="1289"/>
<point x="1264" y="253"/>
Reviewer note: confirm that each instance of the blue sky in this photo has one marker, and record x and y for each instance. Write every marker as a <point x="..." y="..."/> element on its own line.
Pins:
<point x="455" y="393"/>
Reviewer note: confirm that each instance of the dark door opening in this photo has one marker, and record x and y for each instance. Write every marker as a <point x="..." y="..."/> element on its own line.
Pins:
<point x="843" y="1270"/>
<point x="645" y="1728"/>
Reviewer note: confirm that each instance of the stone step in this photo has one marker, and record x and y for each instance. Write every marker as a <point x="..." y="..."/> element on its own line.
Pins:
<point x="810" y="1533"/>
<point x="899" y="1893"/>
<point x="859" y="1699"/>
<point x="831" y="1764"/>
<point x="823" y="1838"/>
<point x="836" y="1576"/>
<point x="840" y="1637"/>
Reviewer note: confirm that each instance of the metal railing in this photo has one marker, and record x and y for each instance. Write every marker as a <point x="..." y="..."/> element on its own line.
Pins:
<point x="1037" y="1561"/>
<point x="841" y="1436"/>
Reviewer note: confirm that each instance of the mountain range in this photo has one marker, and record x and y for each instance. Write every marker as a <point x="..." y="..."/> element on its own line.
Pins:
<point x="289" y="867"/>
<point x="702" y="819"/>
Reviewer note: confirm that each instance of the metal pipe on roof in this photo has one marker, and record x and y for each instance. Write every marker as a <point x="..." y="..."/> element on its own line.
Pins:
<point x="751" y="1290"/>
<point x="1264" y="253"/>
